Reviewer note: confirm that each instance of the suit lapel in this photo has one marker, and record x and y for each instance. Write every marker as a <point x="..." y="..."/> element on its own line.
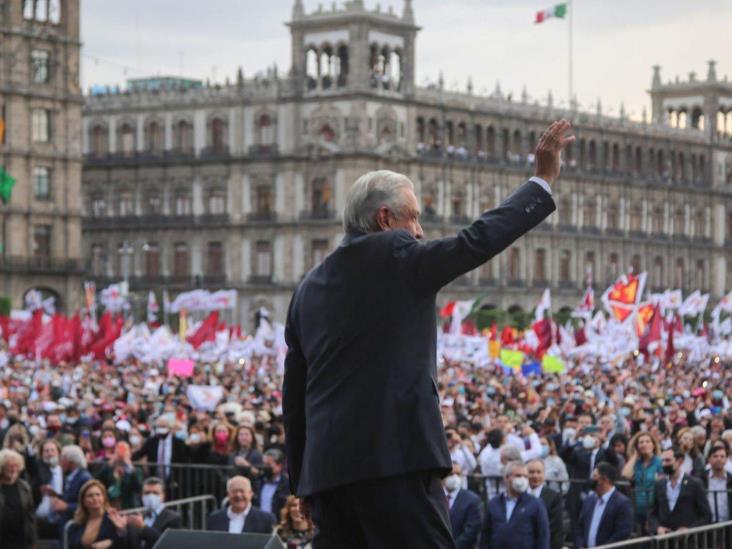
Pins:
<point x="519" y="508"/>
<point x="455" y="504"/>
<point x="605" y="512"/>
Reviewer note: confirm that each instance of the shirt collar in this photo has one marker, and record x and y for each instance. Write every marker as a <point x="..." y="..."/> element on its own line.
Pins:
<point x="606" y="496"/>
<point x="232" y="515"/>
<point x="722" y="475"/>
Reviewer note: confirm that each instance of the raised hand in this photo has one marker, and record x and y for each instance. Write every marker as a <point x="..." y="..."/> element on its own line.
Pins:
<point x="548" y="151"/>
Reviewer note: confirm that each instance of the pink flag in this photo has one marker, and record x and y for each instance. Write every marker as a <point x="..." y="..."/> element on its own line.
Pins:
<point x="181" y="367"/>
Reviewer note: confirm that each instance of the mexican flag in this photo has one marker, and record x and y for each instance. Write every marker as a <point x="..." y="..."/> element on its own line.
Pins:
<point x="560" y="10"/>
<point x="6" y="185"/>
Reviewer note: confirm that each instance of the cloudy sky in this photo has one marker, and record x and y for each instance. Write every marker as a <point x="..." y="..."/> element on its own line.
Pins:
<point x="615" y="42"/>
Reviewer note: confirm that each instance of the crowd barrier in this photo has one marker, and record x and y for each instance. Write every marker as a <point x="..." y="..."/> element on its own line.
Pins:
<point x="193" y="511"/>
<point x="712" y="536"/>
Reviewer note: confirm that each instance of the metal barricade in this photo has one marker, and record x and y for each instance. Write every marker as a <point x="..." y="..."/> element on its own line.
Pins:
<point x="193" y="512"/>
<point x="712" y="536"/>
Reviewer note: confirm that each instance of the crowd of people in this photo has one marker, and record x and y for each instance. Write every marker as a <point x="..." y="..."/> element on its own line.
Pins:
<point x="86" y="442"/>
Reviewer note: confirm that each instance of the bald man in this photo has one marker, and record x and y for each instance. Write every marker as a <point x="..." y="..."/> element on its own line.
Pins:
<point x="240" y="515"/>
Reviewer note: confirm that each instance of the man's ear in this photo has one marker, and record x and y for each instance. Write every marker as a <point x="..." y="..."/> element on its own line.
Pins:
<point x="382" y="218"/>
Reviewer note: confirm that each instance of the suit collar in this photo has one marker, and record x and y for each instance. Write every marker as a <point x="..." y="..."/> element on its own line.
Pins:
<point x="350" y="237"/>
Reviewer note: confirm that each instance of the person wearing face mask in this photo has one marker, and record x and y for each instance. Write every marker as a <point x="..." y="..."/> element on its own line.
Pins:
<point x="466" y="515"/>
<point x="680" y="501"/>
<point x="144" y="530"/>
<point x="515" y="519"/>
<point x="275" y="485"/>
<point x="163" y="449"/>
<point x="47" y="479"/>
<point x="552" y="501"/>
<point x="121" y="479"/>
<point x="607" y="515"/>
<point x="107" y="441"/>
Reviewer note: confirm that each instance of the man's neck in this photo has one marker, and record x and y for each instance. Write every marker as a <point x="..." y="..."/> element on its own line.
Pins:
<point x="602" y="490"/>
<point x="512" y="495"/>
<point x="240" y="510"/>
<point x="677" y="477"/>
<point x="537" y="487"/>
<point x="719" y="473"/>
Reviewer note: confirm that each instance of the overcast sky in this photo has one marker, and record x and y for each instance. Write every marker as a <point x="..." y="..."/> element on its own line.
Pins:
<point x="615" y="43"/>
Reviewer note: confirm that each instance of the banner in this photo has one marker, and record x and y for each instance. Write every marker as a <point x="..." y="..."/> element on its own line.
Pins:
<point x="181" y="367"/>
<point x="205" y="397"/>
<point x="203" y="300"/>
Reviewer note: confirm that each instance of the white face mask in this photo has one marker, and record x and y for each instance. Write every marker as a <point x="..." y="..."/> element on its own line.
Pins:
<point x="453" y="483"/>
<point x="151" y="501"/>
<point x="135" y="440"/>
<point x="569" y="433"/>
<point x="520" y="484"/>
<point x="588" y="442"/>
<point x="52" y="461"/>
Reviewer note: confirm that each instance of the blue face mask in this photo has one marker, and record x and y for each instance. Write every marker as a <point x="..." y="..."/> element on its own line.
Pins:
<point x="490" y="390"/>
<point x="181" y="435"/>
<point x="544" y="450"/>
<point x="625" y="411"/>
<point x="717" y="394"/>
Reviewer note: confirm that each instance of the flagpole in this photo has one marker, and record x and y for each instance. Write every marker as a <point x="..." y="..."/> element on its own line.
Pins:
<point x="571" y="17"/>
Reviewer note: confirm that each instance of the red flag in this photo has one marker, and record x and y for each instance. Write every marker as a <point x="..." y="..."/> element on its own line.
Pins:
<point x="447" y="310"/>
<point x="653" y="332"/>
<point x="493" y="334"/>
<point x="543" y="331"/>
<point x="580" y="338"/>
<point x="670" y="351"/>
<point x="507" y="335"/>
<point x="206" y="331"/>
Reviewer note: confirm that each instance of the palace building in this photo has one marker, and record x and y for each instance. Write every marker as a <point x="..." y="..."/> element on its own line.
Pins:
<point x="242" y="185"/>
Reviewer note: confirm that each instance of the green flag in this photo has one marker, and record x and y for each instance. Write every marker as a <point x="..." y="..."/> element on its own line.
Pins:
<point x="6" y="185"/>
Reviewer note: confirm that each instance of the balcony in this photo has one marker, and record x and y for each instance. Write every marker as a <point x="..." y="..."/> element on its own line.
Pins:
<point x="145" y="282"/>
<point x="317" y="215"/>
<point x="264" y="151"/>
<point x="155" y="221"/>
<point x="211" y="279"/>
<point x="215" y="153"/>
<point x="210" y="219"/>
<point x="262" y="217"/>
<point x="261" y="279"/>
<point x="40" y="265"/>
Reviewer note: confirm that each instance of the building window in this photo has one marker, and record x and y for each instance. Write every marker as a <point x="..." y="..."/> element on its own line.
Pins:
<point x="183" y="203"/>
<point x="613" y="266"/>
<point x="98" y="260"/>
<point x="215" y="258"/>
<point x="701" y="282"/>
<point x="565" y="266"/>
<point x="98" y="206"/>
<point x="613" y="217"/>
<point x="658" y="272"/>
<point x="514" y="265"/>
<point x="152" y="260"/>
<point x="700" y="224"/>
<point x="126" y="204"/>
<point x="265" y="129"/>
<point x="217" y="202"/>
<point x="590" y="267"/>
<point x="42" y="10"/>
<point x="320" y="196"/>
<point x="636" y="219"/>
<point x="263" y="200"/>
<point x="155" y="138"/>
<point x="635" y="264"/>
<point x="218" y="137"/>
<point x="42" y="183"/>
<point x="589" y="213"/>
<point x="679" y="222"/>
<point x="40" y="66"/>
<point x="153" y="204"/>
<point x="540" y="265"/>
<point x="181" y="262"/>
<point x="127" y="140"/>
<point x="41" y="125"/>
<point x="263" y="260"/>
<point x="319" y="251"/>
<point x="98" y="138"/>
<point x="42" y="241"/>
<point x="657" y="221"/>
<point x="183" y="137"/>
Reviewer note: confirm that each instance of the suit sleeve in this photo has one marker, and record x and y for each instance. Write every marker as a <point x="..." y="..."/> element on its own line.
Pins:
<point x="579" y="532"/>
<point x="543" y="535"/>
<point x="487" y="533"/>
<point x="430" y="266"/>
<point x="653" y="515"/>
<point x="556" y="526"/>
<point x="293" y="402"/>
<point x="703" y="513"/>
<point x="473" y="522"/>
<point x="143" y="451"/>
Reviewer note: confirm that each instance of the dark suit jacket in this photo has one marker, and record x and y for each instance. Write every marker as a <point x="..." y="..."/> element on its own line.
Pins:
<point x="554" y="507"/>
<point x="579" y="461"/>
<point x="718" y="495"/>
<point x="257" y="521"/>
<point x="71" y="494"/>
<point x="528" y="527"/>
<point x="361" y="363"/>
<point x="106" y="531"/>
<point x="466" y="518"/>
<point x="147" y="536"/>
<point x="149" y="450"/>
<point x="616" y="523"/>
<point x="279" y="498"/>
<point x="40" y="474"/>
<point x="692" y="507"/>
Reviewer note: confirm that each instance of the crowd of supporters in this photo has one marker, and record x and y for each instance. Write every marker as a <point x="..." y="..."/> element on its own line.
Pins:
<point x="85" y="442"/>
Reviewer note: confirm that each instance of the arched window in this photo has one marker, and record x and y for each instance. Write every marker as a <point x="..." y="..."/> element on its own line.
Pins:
<point x="658" y="272"/>
<point x="635" y="263"/>
<point x="433" y="137"/>
<point x="127" y="140"/>
<point x="615" y="165"/>
<point x="657" y="220"/>
<point x="154" y="138"/>
<point x="592" y="155"/>
<point x="589" y="213"/>
<point x="217" y="202"/>
<point x="638" y="161"/>
<point x="679" y="275"/>
<point x="636" y="219"/>
<point x="590" y="267"/>
<point x="613" y="217"/>
<point x="265" y="130"/>
<point x="320" y="197"/>
<point x="98" y="261"/>
<point x="490" y="142"/>
<point x="420" y="130"/>
<point x="514" y="265"/>
<point x="152" y="259"/>
<point x="218" y="136"/>
<point x="126" y="204"/>
<point x="181" y="260"/>
<point x="701" y="274"/>
<point x="613" y="266"/>
<point x="679" y="222"/>
<point x="327" y="133"/>
<point x="99" y="141"/>
<point x="183" y="204"/>
<point x="565" y="266"/>
<point x="700" y="224"/>
<point x="540" y="266"/>
<point x="183" y="137"/>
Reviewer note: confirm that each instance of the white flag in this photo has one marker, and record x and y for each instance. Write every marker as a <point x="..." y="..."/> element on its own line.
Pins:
<point x="544" y="306"/>
<point x="205" y="397"/>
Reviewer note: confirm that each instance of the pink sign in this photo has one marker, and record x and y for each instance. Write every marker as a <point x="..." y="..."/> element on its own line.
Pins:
<point x="181" y="367"/>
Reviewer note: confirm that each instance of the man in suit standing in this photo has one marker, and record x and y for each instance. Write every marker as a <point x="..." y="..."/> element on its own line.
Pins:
<point x="365" y="440"/>
<point x="515" y="519"/>
<point x="143" y="532"/>
<point x="275" y="486"/>
<point x="466" y="513"/>
<point x="240" y="516"/>
<point x="718" y="483"/>
<point x="552" y="501"/>
<point x="161" y="450"/>
<point x="73" y="464"/>
<point x="606" y="515"/>
<point x="680" y="501"/>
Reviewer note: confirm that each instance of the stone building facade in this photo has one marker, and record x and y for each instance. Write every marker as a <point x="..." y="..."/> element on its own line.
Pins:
<point x="243" y="185"/>
<point x="41" y="106"/>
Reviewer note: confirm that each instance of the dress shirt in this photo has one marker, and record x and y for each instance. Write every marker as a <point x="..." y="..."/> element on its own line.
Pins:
<point x="593" y="457"/>
<point x="597" y="513"/>
<point x="451" y="497"/>
<point x="510" y="506"/>
<point x="543" y="184"/>
<point x="237" y="520"/>
<point x="718" y="490"/>
<point x="536" y="492"/>
<point x="268" y="491"/>
<point x="672" y="492"/>
<point x="165" y="455"/>
<point x="151" y="516"/>
<point x="45" y="508"/>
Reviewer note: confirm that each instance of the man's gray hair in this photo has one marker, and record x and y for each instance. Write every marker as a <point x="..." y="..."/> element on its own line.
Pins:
<point x="371" y="191"/>
<point x="510" y="453"/>
<point x="509" y="468"/>
<point x="75" y="455"/>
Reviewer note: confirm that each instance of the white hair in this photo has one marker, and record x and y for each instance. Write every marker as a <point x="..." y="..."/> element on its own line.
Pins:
<point x="75" y="455"/>
<point x="371" y="191"/>
<point x="7" y="455"/>
<point x="509" y="452"/>
<point x="237" y="478"/>
<point x="509" y="468"/>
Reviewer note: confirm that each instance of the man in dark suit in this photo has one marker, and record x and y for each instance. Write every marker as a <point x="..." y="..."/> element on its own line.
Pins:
<point x="466" y="513"/>
<point x="240" y="516"/>
<point x="161" y="450"/>
<point x="47" y="479"/>
<point x="606" y="515"/>
<point x="275" y="486"/>
<point x="515" y="519"/>
<point x="680" y="500"/>
<point x="365" y="441"/>
<point x="718" y="482"/>
<point x="144" y="531"/>
<point x="552" y="501"/>
<point x="73" y="464"/>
